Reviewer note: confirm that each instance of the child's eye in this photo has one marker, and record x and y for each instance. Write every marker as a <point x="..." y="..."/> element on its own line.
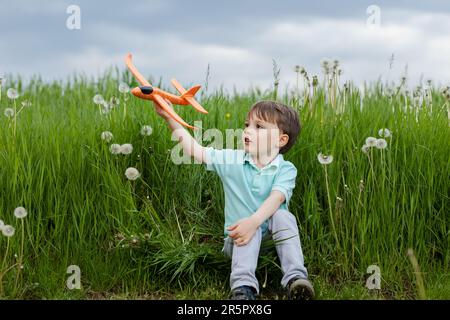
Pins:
<point x="259" y="126"/>
<point x="246" y="125"/>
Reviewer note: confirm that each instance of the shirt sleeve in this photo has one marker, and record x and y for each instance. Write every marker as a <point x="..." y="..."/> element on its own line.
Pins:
<point x="221" y="160"/>
<point x="285" y="181"/>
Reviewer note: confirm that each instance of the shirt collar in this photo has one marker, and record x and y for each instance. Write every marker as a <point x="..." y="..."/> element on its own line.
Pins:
<point x="274" y="163"/>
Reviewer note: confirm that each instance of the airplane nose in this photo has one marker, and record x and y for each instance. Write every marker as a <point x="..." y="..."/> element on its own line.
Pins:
<point x="146" y="89"/>
<point x="136" y="91"/>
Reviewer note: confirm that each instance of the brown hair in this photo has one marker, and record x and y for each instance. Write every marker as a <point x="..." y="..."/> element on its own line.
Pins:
<point x="285" y="117"/>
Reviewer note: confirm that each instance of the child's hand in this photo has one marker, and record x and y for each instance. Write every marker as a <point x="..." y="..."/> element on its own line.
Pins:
<point x="243" y="231"/>
<point x="161" y="111"/>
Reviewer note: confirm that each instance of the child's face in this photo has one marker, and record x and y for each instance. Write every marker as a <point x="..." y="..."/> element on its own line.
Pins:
<point x="262" y="138"/>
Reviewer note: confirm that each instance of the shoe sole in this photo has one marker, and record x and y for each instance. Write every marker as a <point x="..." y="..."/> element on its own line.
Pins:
<point x="301" y="290"/>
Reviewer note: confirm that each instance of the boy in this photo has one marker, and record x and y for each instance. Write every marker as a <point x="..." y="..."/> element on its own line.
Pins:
<point x="258" y="185"/>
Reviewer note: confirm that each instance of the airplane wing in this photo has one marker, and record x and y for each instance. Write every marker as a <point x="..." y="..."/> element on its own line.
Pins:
<point x="195" y="104"/>
<point x="178" y="86"/>
<point x="172" y="113"/>
<point x="139" y="77"/>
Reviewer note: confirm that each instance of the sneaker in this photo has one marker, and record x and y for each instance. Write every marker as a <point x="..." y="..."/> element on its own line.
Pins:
<point x="300" y="289"/>
<point x="243" y="293"/>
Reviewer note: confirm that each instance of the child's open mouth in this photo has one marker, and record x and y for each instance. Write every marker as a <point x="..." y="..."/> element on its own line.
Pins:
<point x="247" y="140"/>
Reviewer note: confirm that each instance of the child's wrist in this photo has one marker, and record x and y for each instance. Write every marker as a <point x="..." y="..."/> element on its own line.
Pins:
<point x="257" y="219"/>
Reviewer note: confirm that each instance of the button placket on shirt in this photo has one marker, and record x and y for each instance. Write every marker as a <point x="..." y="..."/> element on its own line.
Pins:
<point x="256" y="178"/>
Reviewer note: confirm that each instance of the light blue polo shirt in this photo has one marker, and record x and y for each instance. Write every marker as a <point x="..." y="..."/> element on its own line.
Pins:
<point x="245" y="185"/>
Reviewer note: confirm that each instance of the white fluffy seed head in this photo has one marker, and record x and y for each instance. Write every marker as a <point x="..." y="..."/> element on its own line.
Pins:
<point x="126" y="148"/>
<point x="365" y="148"/>
<point x="98" y="99"/>
<point x="20" y="212"/>
<point x="386" y="133"/>
<point x="371" y="141"/>
<point x="123" y="87"/>
<point x="12" y="93"/>
<point x="9" y="113"/>
<point x="132" y="173"/>
<point x="107" y="136"/>
<point x="146" y="130"/>
<point x="8" y="231"/>
<point x="115" y="148"/>
<point x="323" y="159"/>
<point x="381" y="144"/>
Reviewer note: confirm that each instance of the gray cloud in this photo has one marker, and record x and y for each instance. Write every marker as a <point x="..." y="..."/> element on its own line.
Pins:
<point x="238" y="38"/>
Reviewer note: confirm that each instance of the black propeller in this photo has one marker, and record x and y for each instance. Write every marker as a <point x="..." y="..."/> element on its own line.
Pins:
<point x="146" y="89"/>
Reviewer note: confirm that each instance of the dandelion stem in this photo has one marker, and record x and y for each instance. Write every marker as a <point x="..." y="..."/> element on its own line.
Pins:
<point x="330" y="208"/>
<point x="2" y="273"/>
<point x="20" y="256"/>
<point x="124" y="109"/>
<point x="15" y="118"/>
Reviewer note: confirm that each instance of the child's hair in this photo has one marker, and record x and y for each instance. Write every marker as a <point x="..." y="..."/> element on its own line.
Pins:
<point x="285" y="117"/>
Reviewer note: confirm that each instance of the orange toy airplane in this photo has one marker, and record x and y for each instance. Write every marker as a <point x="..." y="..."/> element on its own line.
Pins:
<point x="148" y="92"/>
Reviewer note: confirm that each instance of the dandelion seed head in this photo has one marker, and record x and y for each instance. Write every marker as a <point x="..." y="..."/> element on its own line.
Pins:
<point x="115" y="148"/>
<point x="12" y="93"/>
<point x="107" y="136"/>
<point x="325" y="66"/>
<point x="299" y="69"/>
<point x="20" y="212"/>
<point x="124" y="88"/>
<point x="335" y="63"/>
<point x="114" y="102"/>
<point x="371" y="141"/>
<point x="98" y="99"/>
<point x="365" y="148"/>
<point x="146" y="130"/>
<point x="386" y="133"/>
<point x="132" y="173"/>
<point x="106" y="107"/>
<point x="8" y="231"/>
<point x="126" y="148"/>
<point x="9" y="112"/>
<point x="324" y="159"/>
<point x="381" y="144"/>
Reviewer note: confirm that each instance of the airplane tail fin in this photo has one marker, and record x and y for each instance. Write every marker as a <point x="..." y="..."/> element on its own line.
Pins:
<point x="189" y="95"/>
<point x="191" y="92"/>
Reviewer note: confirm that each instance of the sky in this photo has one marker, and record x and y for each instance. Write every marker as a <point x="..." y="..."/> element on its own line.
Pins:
<point x="238" y="39"/>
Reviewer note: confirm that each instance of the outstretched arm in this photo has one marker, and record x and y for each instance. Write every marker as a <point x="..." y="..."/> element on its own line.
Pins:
<point x="190" y="146"/>
<point x="243" y="231"/>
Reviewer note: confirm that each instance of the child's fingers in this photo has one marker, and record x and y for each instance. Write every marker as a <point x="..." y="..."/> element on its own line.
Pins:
<point x="230" y="228"/>
<point x="232" y="234"/>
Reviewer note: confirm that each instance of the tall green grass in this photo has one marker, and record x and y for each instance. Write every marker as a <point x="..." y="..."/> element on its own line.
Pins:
<point x="161" y="235"/>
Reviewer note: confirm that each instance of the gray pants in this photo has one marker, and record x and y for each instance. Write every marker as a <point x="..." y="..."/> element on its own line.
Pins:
<point x="283" y="228"/>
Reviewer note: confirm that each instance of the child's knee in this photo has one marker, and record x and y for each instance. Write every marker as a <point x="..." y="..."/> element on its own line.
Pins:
<point x="282" y="215"/>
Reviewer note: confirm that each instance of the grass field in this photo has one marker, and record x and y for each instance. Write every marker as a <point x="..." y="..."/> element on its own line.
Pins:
<point x="160" y="236"/>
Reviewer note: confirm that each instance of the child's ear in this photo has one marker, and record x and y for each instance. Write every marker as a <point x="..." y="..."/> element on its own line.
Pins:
<point x="284" y="139"/>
